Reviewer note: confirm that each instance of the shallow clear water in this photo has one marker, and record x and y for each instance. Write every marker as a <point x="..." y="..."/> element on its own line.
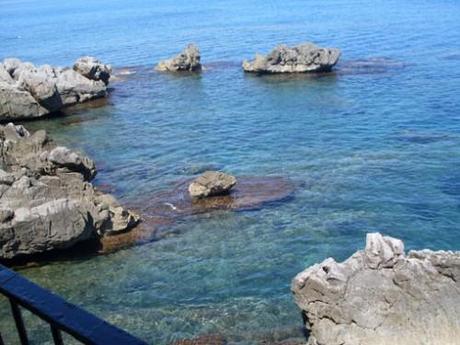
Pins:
<point x="374" y="149"/>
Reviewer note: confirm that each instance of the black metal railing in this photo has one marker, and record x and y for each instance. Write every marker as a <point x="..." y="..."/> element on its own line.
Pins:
<point x="61" y="315"/>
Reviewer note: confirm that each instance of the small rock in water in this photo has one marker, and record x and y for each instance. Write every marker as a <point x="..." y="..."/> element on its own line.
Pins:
<point x="187" y="60"/>
<point x="303" y="58"/>
<point x="211" y="183"/>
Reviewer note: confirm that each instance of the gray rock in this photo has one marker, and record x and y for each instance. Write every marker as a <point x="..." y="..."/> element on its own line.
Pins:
<point x="63" y="157"/>
<point x="5" y="77"/>
<point x="28" y="92"/>
<point x="93" y="69"/>
<point x="16" y="103"/>
<point x="6" y="214"/>
<point x="304" y="58"/>
<point x="187" y="60"/>
<point x="46" y="199"/>
<point x="211" y="183"/>
<point x="381" y="296"/>
<point x="6" y="178"/>
<point x="75" y="88"/>
<point x="11" y="64"/>
<point x="41" y="84"/>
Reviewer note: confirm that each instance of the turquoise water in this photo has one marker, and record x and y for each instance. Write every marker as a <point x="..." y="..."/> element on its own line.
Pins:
<point x="374" y="147"/>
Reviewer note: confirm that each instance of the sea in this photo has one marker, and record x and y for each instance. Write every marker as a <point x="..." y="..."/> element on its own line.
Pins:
<point x="371" y="147"/>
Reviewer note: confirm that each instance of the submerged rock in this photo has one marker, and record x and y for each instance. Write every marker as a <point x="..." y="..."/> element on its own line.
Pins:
<point x="28" y="91"/>
<point x="161" y="210"/>
<point x="303" y="58"/>
<point x="46" y="199"/>
<point x="380" y="295"/>
<point x="251" y="192"/>
<point x="211" y="339"/>
<point x="211" y="183"/>
<point x="187" y="60"/>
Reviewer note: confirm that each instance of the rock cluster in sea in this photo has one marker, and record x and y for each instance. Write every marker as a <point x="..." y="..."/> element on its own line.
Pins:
<point x="46" y="199"/>
<point x="28" y="91"/>
<point x="380" y="295"/>
<point x="303" y="58"/>
<point x="187" y="60"/>
<point x="211" y="183"/>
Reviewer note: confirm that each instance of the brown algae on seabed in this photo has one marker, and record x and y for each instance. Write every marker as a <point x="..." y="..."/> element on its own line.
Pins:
<point x="251" y="192"/>
<point x="162" y="209"/>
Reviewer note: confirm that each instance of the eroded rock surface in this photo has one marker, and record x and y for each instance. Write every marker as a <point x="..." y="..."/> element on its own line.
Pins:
<point x="46" y="199"/>
<point x="303" y="58"/>
<point x="211" y="183"/>
<point x="93" y="69"/>
<point x="187" y="60"/>
<point x="28" y="91"/>
<point x="381" y="296"/>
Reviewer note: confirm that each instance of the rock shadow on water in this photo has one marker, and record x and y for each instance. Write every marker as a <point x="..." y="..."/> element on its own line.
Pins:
<point x="371" y="65"/>
<point x="420" y="137"/>
<point x="451" y="57"/>
<point x="368" y="66"/>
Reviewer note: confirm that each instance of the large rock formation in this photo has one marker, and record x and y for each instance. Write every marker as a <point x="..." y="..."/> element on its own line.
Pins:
<point x="382" y="296"/>
<point x="304" y="58"/>
<point x="46" y="199"/>
<point x="28" y="91"/>
<point x="211" y="183"/>
<point x="187" y="60"/>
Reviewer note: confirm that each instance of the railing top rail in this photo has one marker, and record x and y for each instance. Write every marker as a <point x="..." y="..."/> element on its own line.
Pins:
<point x="71" y="319"/>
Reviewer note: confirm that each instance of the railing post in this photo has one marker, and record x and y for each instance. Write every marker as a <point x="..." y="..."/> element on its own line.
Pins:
<point x="19" y="323"/>
<point x="57" y="336"/>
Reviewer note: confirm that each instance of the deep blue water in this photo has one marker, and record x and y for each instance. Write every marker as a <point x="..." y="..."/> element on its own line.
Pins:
<point x="374" y="149"/>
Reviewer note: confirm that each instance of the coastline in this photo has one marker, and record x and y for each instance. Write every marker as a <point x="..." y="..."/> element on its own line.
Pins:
<point x="371" y="145"/>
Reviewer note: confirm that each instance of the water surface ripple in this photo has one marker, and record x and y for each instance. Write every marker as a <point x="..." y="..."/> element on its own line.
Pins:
<point x="373" y="146"/>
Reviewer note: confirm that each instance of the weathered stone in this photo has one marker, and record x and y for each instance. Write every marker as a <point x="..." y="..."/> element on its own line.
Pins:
<point x="46" y="200"/>
<point x="41" y="84"/>
<point x="11" y="64"/>
<point x="5" y="76"/>
<point x="187" y="60"/>
<point x="75" y="88"/>
<point x="381" y="296"/>
<point x="27" y="91"/>
<point x="304" y="58"/>
<point x="6" y="214"/>
<point x="5" y="178"/>
<point x="17" y="103"/>
<point x="63" y="157"/>
<point x="211" y="183"/>
<point x="93" y="69"/>
<point x="118" y="219"/>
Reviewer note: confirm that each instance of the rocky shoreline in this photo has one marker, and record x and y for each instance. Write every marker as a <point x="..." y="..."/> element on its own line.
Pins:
<point x="29" y="92"/>
<point x="48" y="204"/>
<point x="47" y="201"/>
<point x="382" y="296"/>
